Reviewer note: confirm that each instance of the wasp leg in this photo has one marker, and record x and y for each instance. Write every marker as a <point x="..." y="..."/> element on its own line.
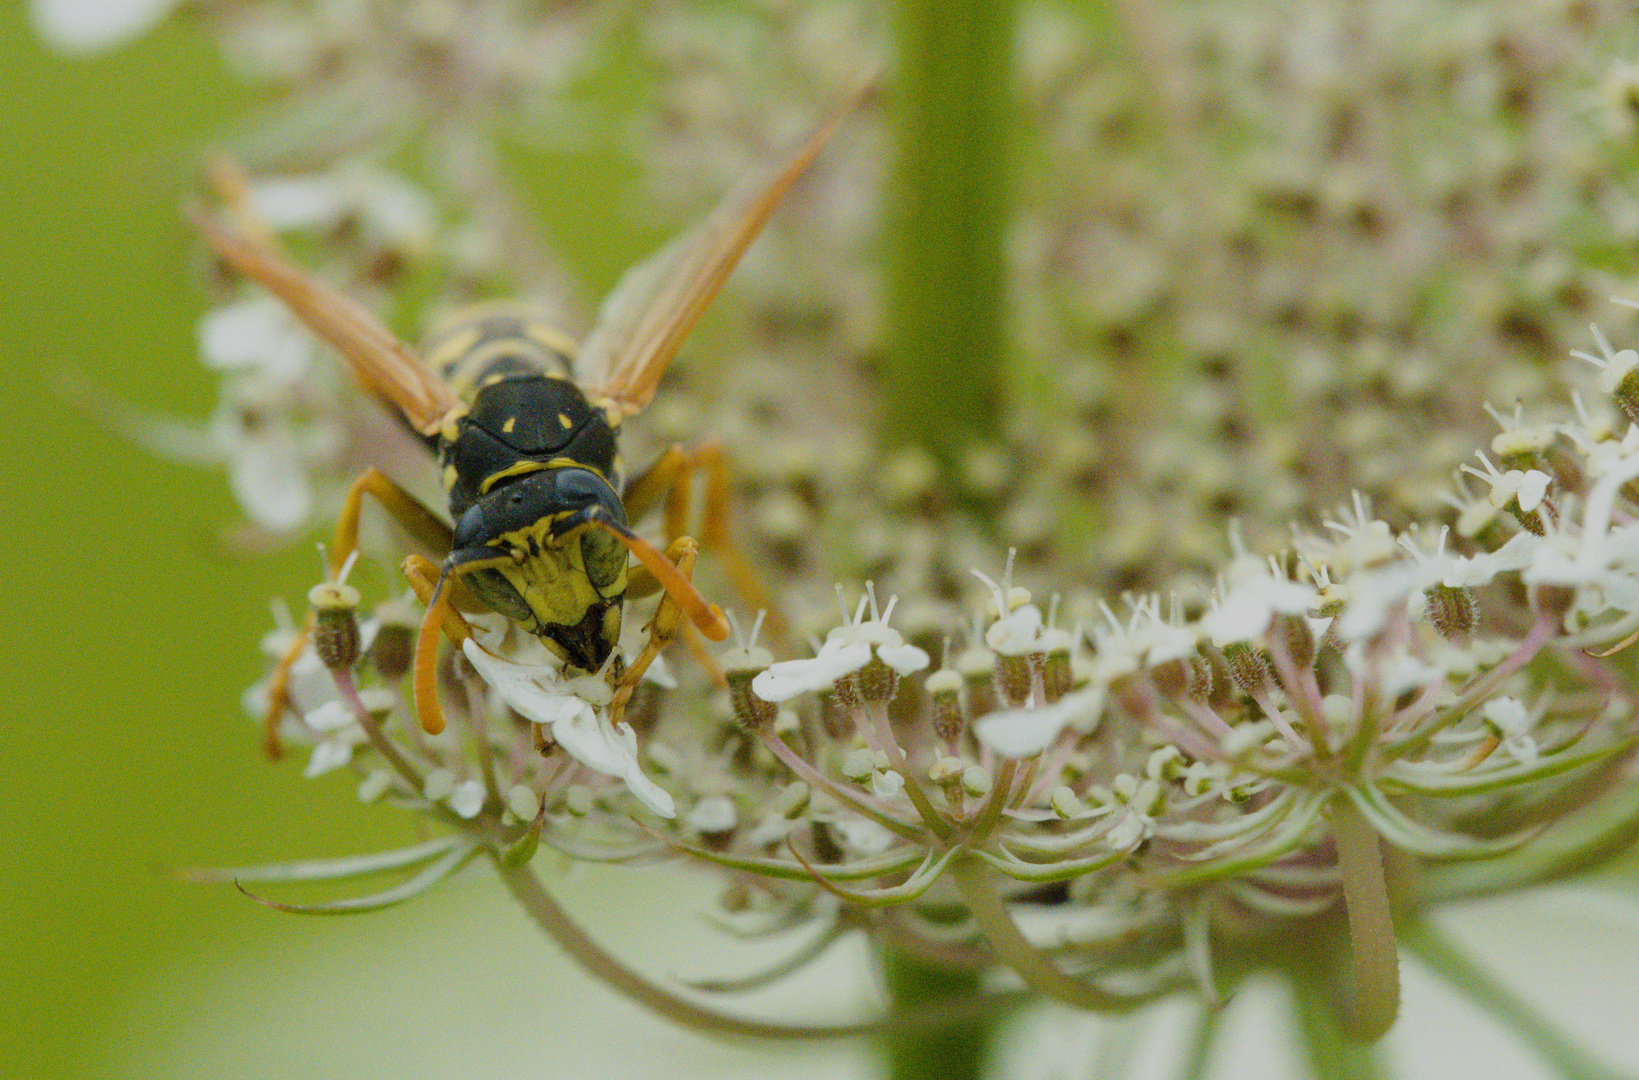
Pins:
<point x="227" y="179"/>
<point x="668" y="619"/>
<point x="406" y="509"/>
<point x="278" y="694"/>
<point x="417" y="520"/>
<point x="670" y="479"/>
<point x="434" y="588"/>
<point x="656" y="571"/>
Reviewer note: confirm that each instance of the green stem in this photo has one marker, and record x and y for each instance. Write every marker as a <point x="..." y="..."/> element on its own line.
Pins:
<point x="1512" y="1013"/>
<point x="1012" y="948"/>
<point x="1199" y="1054"/>
<point x="1375" y="989"/>
<point x="948" y="289"/>
<point x="1333" y="1053"/>
<point x="953" y="1051"/>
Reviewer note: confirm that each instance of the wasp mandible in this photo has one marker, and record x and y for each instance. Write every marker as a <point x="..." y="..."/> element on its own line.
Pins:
<point x="524" y="427"/>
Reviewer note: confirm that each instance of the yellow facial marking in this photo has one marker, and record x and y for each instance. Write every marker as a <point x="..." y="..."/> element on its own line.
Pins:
<point x="511" y="422"/>
<point x="563" y="418"/>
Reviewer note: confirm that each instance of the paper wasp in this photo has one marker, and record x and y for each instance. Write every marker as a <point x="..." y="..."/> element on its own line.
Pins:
<point x="524" y="427"/>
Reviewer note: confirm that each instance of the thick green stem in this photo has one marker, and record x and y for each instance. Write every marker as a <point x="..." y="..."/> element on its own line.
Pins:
<point x="947" y="303"/>
<point x="1509" y="1010"/>
<point x="1375" y="985"/>
<point x="1199" y="1054"/>
<point x="1333" y="1053"/>
<point x="954" y="1051"/>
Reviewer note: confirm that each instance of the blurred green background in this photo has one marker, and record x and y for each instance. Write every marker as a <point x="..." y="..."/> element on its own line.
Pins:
<point x="126" y="647"/>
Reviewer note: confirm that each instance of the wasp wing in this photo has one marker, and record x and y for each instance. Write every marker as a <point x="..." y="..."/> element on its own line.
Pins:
<point x="381" y="363"/>
<point x="644" y="320"/>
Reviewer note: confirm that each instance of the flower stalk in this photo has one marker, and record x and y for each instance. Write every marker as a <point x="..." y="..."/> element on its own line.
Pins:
<point x="1374" y="991"/>
<point x="947" y="291"/>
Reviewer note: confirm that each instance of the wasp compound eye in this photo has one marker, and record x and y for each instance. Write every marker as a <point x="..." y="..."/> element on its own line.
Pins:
<point x="580" y="486"/>
<point x="469" y="531"/>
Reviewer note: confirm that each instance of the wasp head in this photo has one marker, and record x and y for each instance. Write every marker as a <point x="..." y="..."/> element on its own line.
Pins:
<point x="528" y="551"/>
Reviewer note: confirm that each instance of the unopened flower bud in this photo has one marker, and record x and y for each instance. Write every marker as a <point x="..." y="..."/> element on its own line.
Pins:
<point x="523" y="802"/>
<point x="944" y="688"/>
<point x="1297" y="637"/>
<point x="977" y="667"/>
<point x="1248" y="666"/>
<point x="859" y="765"/>
<point x="1065" y="803"/>
<point x="792" y="802"/>
<point x="375" y="785"/>
<point x="713" y="817"/>
<point x="437" y="785"/>
<point x="578" y="800"/>
<point x="976" y="781"/>
<point x="740" y="666"/>
<point x="335" y="624"/>
<point x="1451" y="609"/>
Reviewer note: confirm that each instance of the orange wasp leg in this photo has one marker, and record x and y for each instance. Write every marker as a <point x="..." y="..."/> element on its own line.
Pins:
<point x="668" y="619"/>
<point x="670" y="479"/>
<point x="417" y="520"/>
<point x="436" y="591"/>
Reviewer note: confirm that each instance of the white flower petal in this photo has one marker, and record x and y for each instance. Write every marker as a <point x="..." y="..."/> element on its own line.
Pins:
<point x="298" y="202"/>
<point x="1021" y="733"/>
<point x="83" y="27"/>
<point x="329" y="717"/>
<point x="712" y="814"/>
<point x="269" y="481"/>
<point x="905" y="659"/>
<point x="788" y="678"/>
<point x="864" y="837"/>
<point x="467" y="798"/>
<point x="255" y="335"/>
<point x="329" y="755"/>
<point x="584" y="733"/>
<point x="887" y="785"/>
